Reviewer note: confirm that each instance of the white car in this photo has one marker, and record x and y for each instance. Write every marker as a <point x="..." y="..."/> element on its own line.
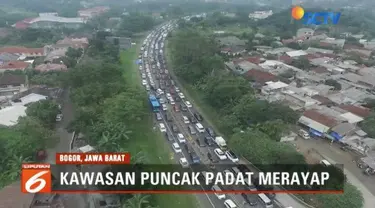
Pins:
<point x="176" y="147"/>
<point x="168" y="95"/>
<point x="161" y="100"/>
<point x="186" y="120"/>
<point x="181" y="138"/>
<point x="231" y="156"/>
<point x="143" y="76"/>
<point x="182" y="96"/>
<point x="140" y="67"/>
<point x="177" y="89"/>
<point x="165" y="107"/>
<point x="171" y="101"/>
<point x="304" y="134"/>
<point x="144" y="82"/>
<point x="162" y="127"/>
<point x="188" y="104"/>
<point x="148" y="87"/>
<point x="159" y="91"/>
<point x="184" y="163"/>
<point x="220" y="154"/>
<point x="59" y="117"/>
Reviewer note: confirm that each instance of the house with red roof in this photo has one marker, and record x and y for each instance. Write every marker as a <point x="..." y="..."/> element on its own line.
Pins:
<point x="23" y="51"/>
<point x="317" y="123"/>
<point x="13" y="66"/>
<point x="260" y="77"/>
<point x="92" y="12"/>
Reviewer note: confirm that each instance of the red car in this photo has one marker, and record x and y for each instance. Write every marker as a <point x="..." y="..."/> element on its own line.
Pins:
<point x="176" y="108"/>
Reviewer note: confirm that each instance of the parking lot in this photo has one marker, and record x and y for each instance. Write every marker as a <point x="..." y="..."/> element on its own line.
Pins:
<point x="192" y="144"/>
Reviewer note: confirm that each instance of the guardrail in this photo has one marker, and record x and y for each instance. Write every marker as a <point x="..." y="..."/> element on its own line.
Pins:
<point x="292" y="195"/>
<point x="72" y="141"/>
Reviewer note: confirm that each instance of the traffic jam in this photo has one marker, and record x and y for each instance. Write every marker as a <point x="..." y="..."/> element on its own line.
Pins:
<point x="190" y="138"/>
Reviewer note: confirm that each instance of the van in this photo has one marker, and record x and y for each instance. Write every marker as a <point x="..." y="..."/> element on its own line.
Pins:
<point x="192" y="129"/>
<point x="325" y="162"/>
<point x="199" y="127"/>
<point x="229" y="204"/>
<point x="216" y="188"/>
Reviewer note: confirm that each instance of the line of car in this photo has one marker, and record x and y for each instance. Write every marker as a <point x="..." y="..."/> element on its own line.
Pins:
<point x="170" y="95"/>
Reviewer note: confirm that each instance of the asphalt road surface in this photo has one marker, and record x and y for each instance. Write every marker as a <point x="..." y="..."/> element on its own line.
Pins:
<point x="206" y="200"/>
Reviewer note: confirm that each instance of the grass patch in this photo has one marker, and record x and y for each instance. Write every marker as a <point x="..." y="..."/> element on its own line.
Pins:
<point x="151" y="142"/>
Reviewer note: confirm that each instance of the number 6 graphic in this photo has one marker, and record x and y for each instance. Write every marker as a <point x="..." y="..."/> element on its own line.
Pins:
<point x="35" y="179"/>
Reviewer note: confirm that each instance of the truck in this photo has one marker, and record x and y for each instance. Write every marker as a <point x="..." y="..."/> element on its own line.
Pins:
<point x="220" y="141"/>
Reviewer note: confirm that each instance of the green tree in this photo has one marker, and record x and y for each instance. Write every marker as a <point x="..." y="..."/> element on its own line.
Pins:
<point x="368" y="125"/>
<point x="258" y="148"/>
<point x="273" y="128"/>
<point x="333" y="83"/>
<point x="45" y="111"/>
<point x="138" y="201"/>
<point x="351" y="198"/>
<point x="302" y="63"/>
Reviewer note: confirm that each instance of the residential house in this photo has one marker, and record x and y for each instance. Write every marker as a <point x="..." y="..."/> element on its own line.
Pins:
<point x="50" y="22"/>
<point x="323" y="100"/>
<point x="278" y="51"/>
<point x="367" y="81"/>
<point x="363" y="145"/>
<point x="298" y="101"/>
<point x="341" y="130"/>
<point x="9" y="115"/>
<point x="246" y="65"/>
<point x="339" y="43"/>
<point x="272" y="88"/>
<point x="13" y="66"/>
<point x="51" y="67"/>
<point x="312" y="50"/>
<point x="304" y="32"/>
<point x="92" y="12"/>
<point x="357" y="110"/>
<point x="260" y="77"/>
<point x="23" y="51"/>
<point x="54" y="54"/>
<point x="72" y="42"/>
<point x="260" y="14"/>
<point x="350" y="96"/>
<point x="296" y="54"/>
<point x="11" y="84"/>
<point x="232" y="45"/>
<point x="318" y="123"/>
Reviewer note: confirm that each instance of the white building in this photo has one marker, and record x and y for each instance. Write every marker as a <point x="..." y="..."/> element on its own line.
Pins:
<point x="260" y="14"/>
<point x="9" y="115"/>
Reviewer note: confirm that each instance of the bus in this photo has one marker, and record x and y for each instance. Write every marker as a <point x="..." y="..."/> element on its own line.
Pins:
<point x="154" y="103"/>
<point x="265" y="201"/>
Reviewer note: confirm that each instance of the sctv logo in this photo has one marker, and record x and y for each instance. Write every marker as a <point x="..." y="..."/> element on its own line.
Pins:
<point x="315" y="18"/>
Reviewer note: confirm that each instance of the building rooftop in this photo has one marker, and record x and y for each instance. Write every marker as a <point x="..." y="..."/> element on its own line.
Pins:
<point x="318" y="50"/>
<point x="351" y="118"/>
<point x="276" y="85"/>
<point x="58" y="19"/>
<point x="320" y="118"/>
<point x="343" y="128"/>
<point x="51" y="67"/>
<point x="279" y="50"/>
<point x="30" y="98"/>
<point x="9" y="115"/>
<point x="357" y="110"/>
<point x="14" y="65"/>
<point x="260" y="76"/>
<point x="20" y="50"/>
<point x="231" y="41"/>
<point x="296" y="53"/>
